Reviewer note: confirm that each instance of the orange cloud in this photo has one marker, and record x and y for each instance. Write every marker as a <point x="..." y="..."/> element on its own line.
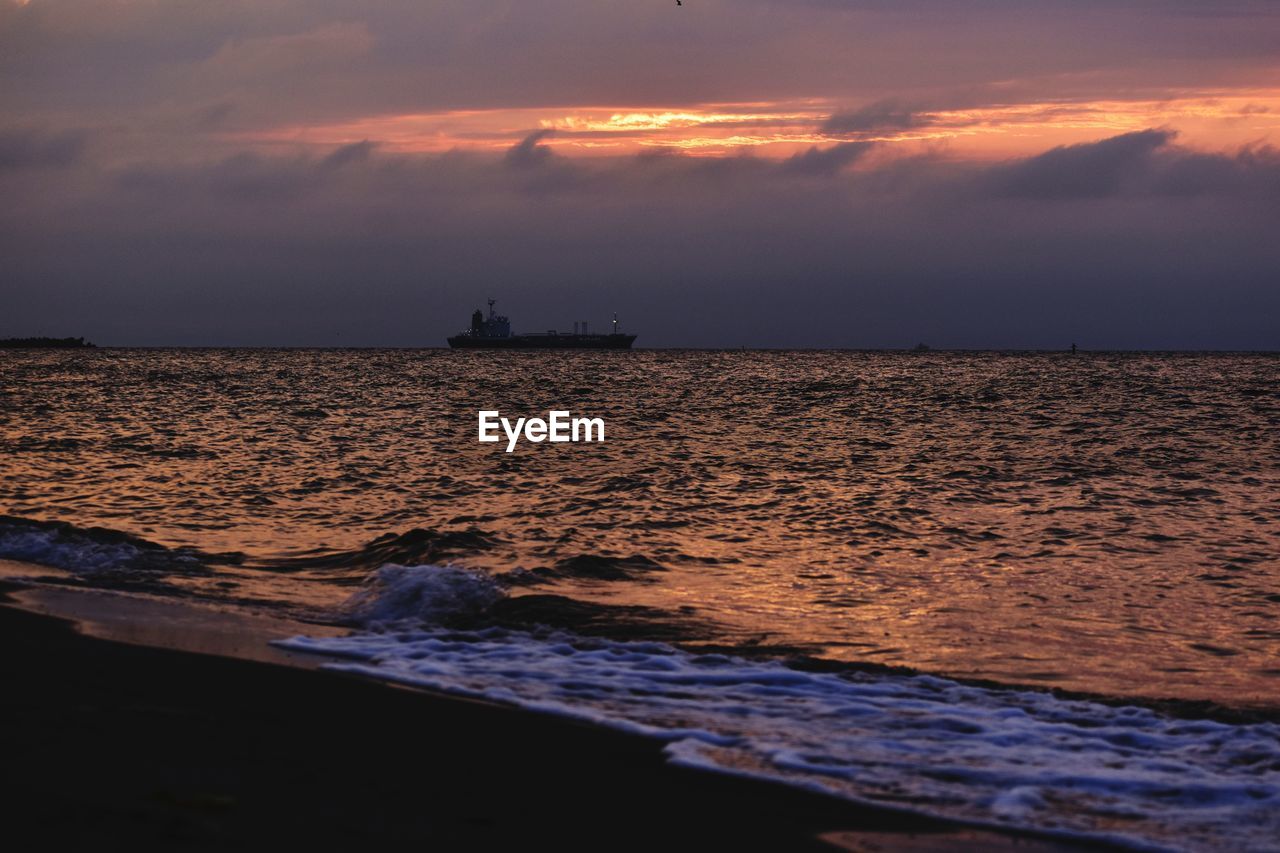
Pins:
<point x="1212" y="119"/>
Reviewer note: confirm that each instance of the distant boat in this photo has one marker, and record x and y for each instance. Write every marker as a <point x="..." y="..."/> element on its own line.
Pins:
<point x="494" y="332"/>
<point x="44" y="343"/>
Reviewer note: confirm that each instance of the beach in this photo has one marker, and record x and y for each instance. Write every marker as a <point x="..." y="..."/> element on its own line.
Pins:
<point x="112" y="744"/>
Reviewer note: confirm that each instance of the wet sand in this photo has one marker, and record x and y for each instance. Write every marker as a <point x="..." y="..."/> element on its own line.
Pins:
<point x="113" y="744"/>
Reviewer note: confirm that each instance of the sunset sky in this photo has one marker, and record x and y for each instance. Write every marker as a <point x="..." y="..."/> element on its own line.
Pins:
<point x="976" y="173"/>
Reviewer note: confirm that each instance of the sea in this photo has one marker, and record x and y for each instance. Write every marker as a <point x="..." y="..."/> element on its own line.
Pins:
<point x="1027" y="590"/>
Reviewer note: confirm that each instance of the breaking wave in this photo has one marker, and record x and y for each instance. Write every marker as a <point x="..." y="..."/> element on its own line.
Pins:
<point x="96" y="551"/>
<point x="437" y="595"/>
<point x="1011" y="758"/>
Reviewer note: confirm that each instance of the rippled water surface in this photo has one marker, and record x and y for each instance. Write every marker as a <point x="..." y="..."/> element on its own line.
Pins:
<point x="1106" y="523"/>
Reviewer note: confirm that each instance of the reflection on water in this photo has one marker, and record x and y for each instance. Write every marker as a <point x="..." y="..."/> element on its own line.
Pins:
<point x="1098" y="522"/>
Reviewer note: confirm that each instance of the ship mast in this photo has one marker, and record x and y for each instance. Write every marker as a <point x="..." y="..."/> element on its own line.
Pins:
<point x="615" y="322"/>
<point x="491" y="301"/>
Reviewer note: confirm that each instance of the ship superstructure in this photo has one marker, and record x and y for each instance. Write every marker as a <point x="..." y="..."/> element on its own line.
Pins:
<point x="494" y="332"/>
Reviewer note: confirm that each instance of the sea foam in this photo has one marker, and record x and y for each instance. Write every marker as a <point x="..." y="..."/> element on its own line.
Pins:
<point x="433" y="594"/>
<point x="1012" y="758"/>
<point x="87" y="550"/>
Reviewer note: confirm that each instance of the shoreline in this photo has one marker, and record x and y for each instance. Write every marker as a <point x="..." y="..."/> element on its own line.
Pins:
<point x="191" y="748"/>
<point x="210" y="627"/>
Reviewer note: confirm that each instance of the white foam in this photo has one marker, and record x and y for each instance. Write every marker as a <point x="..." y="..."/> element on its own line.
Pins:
<point x="65" y="548"/>
<point x="432" y="594"/>
<point x="1009" y="758"/>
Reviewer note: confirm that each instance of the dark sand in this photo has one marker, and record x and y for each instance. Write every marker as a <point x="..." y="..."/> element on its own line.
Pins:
<point x="111" y="745"/>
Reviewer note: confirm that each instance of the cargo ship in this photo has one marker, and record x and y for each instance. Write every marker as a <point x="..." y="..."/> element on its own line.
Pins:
<point x="494" y="332"/>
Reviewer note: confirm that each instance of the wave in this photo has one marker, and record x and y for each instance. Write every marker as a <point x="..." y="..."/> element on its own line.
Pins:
<point x="97" y="551"/>
<point x="396" y="596"/>
<point x="606" y="568"/>
<point x="1012" y="758"/>
<point x="415" y="547"/>
<point x="433" y="594"/>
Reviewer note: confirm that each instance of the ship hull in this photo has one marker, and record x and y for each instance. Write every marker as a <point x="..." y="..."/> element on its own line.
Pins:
<point x="543" y="342"/>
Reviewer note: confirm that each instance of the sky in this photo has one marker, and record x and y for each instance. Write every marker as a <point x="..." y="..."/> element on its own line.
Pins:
<point x="808" y="173"/>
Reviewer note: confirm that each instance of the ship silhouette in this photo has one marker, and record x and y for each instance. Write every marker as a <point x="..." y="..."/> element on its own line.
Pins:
<point x="494" y="332"/>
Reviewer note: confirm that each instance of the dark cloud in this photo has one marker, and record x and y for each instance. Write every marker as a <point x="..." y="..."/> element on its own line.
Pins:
<point x="1136" y="165"/>
<point x="528" y="152"/>
<point x="354" y="153"/>
<point x="290" y="61"/>
<point x="393" y="249"/>
<point x="1088" y="170"/>
<point x="827" y="161"/>
<point x="1253" y="171"/>
<point x="882" y="115"/>
<point x="26" y="149"/>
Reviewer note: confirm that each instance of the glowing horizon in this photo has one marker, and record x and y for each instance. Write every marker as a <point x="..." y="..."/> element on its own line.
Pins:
<point x="1218" y="119"/>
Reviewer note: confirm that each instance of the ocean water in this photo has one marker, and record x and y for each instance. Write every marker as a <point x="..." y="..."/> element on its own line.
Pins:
<point x="833" y="569"/>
